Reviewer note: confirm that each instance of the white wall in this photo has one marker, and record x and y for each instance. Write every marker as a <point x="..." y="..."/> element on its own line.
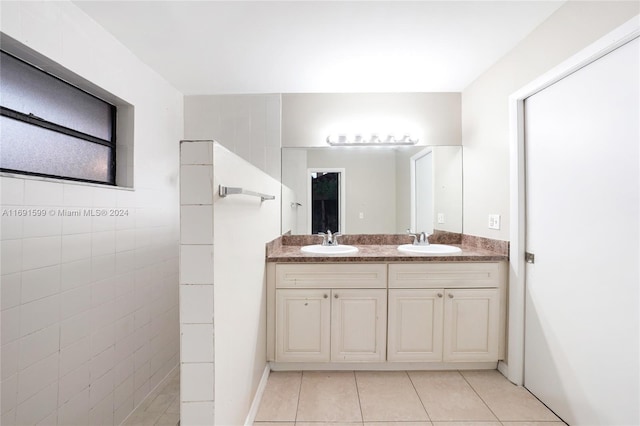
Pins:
<point x="485" y="108"/>
<point x="222" y="288"/>
<point x="242" y="226"/>
<point x="248" y="125"/>
<point x="308" y="118"/>
<point x="89" y="305"/>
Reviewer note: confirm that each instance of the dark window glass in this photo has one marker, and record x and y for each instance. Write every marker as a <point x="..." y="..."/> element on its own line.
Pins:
<point x="325" y="196"/>
<point x="51" y="128"/>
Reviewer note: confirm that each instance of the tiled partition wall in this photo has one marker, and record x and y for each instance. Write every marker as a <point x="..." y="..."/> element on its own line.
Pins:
<point x="196" y="283"/>
<point x="90" y="304"/>
<point x="222" y="289"/>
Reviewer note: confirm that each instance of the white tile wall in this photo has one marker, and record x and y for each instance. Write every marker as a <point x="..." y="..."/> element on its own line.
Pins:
<point x="89" y="305"/>
<point x="68" y="307"/>
<point x="196" y="283"/>
<point x="247" y="125"/>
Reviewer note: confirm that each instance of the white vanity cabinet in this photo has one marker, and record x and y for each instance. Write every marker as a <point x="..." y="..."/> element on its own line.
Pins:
<point x="471" y="318"/>
<point x="415" y="325"/>
<point x="330" y="312"/>
<point x="380" y="313"/>
<point x="358" y="325"/>
<point x="447" y="312"/>
<point x="303" y="325"/>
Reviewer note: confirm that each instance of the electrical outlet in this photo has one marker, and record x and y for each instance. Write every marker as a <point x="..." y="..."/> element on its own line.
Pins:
<point x="440" y="217"/>
<point x="494" y="221"/>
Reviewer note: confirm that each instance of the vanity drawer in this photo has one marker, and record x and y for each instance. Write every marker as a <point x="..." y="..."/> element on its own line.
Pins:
<point x="316" y="275"/>
<point x="444" y="275"/>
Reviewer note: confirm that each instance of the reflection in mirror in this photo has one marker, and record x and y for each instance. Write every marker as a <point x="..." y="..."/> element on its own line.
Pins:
<point x="381" y="190"/>
<point x="325" y="192"/>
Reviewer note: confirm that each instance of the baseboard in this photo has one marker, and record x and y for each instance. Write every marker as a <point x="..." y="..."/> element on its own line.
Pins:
<point x="255" y="405"/>
<point x="382" y="366"/>
<point x="504" y="369"/>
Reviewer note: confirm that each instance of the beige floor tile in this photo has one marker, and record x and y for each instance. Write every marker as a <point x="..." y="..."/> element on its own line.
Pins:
<point x="280" y="398"/>
<point x="273" y="423"/>
<point x="474" y="423"/>
<point x="143" y="418"/>
<point x="397" y="424"/>
<point x="533" y="423"/>
<point x="328" y="424"/>
<point x="508" y="401"/>
<point x="171" y="388"/>
<point x="168" y="419"/>
<point x="174" y="407"/>
<point x="388" y="396"/>
<point x="328" y="397"/>
<point x="160" y="403"/>
<point x="447" y="396"/>
<point x="135" y="419"/>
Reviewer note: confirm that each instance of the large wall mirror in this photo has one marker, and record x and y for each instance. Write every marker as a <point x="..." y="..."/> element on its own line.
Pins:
<point x="372" y="190"/>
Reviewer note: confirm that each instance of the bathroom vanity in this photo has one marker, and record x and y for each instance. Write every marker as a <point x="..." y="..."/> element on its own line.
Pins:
<point x="382" y="309"/>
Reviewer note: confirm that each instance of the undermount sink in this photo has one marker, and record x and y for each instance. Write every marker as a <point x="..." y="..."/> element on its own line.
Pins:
<point x="328" y="250"/>
<point x="428" y="249"/>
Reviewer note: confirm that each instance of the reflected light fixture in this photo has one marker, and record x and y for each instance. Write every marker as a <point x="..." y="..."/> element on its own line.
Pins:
<point x="372" y="140"/>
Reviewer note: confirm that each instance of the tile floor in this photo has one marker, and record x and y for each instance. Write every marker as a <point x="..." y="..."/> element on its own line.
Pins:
<point x="400" y="398"/>
<point x="161" y="408"/>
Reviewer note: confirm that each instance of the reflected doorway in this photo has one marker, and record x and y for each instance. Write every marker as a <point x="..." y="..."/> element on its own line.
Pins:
<point x="422" y="191"/>
<point x="326" y="200"/>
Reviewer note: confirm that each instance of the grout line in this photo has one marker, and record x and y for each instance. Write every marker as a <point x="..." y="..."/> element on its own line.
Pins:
<point x="299" y="392"/>
<point x="355" y="378"/>
<point x="420" y="399"/>
<point x="547" y="407"/>
<point x="479" y="396"/>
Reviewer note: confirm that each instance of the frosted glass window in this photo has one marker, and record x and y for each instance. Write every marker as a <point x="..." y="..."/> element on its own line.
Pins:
<point x="45" y="152"/>
<point x="26" y="89"/>
<point x="51" y="128"/>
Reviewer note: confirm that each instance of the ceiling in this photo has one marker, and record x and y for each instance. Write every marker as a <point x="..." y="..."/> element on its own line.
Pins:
<point x="217" y="47"/>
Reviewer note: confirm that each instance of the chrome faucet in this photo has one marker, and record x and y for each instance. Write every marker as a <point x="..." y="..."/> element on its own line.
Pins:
<point x="329" y="239"/>
<point x="421" y="239"/>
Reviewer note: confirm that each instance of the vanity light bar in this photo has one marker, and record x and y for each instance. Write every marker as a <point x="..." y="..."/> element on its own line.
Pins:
<point x="374" y="140"/>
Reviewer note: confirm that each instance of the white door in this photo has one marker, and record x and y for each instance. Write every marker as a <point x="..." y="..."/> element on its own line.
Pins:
<point x="303" y="325"/>
<point x="358" y="325"/>
<point x="582" y="197"/>
<point x="415" y="325"/>
<point x="471" y="324"/>
<point x="423" y="193"/>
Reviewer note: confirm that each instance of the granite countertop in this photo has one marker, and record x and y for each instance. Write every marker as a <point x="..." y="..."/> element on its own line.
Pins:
<point x="385" y="249"/>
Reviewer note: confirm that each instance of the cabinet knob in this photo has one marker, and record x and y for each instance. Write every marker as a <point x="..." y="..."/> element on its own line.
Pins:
<point x="335" y="295"/>
<point x="450" y="296"/>
<point x="439" y="294"/>
<point x="325" y="296"/>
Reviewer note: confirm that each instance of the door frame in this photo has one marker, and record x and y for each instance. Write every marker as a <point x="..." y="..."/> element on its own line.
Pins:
<point x="342" y="206"/>
<point x="513" y="368"/>
<point x="412" y="171"/>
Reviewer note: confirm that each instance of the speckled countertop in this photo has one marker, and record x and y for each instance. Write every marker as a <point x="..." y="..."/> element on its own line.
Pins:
<point x="384" y="248"/>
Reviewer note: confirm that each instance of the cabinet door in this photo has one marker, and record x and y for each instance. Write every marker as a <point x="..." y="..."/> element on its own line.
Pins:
<point x="471" y="321"/>
<point x="415" y="325"/>
<point x="358" y="325"/>
<point x="303" y="325"/>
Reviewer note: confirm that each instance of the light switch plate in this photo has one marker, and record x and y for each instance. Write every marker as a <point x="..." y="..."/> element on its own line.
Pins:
<point x="440" y="217"/>
<point x="494" y="221"/>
